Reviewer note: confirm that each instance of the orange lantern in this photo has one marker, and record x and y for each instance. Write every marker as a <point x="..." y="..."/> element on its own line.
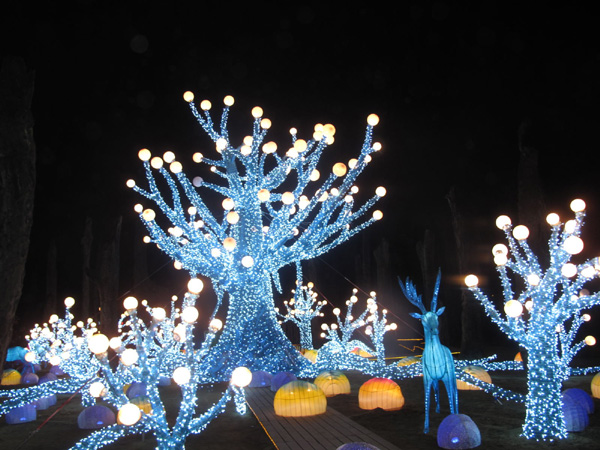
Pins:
<point x="477" y="372"/>
<point x="11" y="377"/>
<point x="360" y="352"/>
<point x="333" y="383"/>
<point x="380" y="393"/>
<point x="299" y="399"/>
<point x="596" y="386"/>
<point x="518" y="357"/>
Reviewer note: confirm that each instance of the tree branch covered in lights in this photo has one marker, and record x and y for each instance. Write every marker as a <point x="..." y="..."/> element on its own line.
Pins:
<point x="546" y="315"/>
<point x="275" y="212"/>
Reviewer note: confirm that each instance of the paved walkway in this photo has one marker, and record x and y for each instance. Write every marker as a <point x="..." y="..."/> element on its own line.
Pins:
<point x="323" y="432"/>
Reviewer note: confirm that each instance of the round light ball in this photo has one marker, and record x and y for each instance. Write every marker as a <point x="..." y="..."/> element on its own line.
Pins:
<point x="182" y="375"/>
<point x="129" y="356"/>
<point x="471" y="280"/>
<point x="195" y="285"/>
<point x="590" y="340"/>
<point x="144" y="154"/>
<point x="573" y="245"/>
<point x="513" y="308"/>
<point x="233" y="217"/>
<point x="97" y="389"/>
<point x="499" y="249"/>
<point x="372" y="119"/>
<point x="228" y="100"/>
<point x="521" y="232"/>
<point x="247" y="261"/>
<point x="229" y="243"/>
<point x="215" y="325"/>
<point x="339" y="169"/>
<point x="287" y="198"/>
<point x="577" y="205"/>
<point x="377" y="215"/>
<point x="264" y="195"/>
<point x="130" y="303"/>
<point x="553" y="219"/>
<point x="159" y="314"/>
<point x="503" y="222"/>
<point x="188" y="96"/>
<point x="569" y="270"/>
<point x="241" y="377"/>
<point x="380" y="191"/>
<point x="98" y="344"/>
<point x="69" y="302"/>
<point x="129" y="414"/>
<point x="148" y="215"/>
<point x="189" y="314"/>
<point x="115" y="343"/>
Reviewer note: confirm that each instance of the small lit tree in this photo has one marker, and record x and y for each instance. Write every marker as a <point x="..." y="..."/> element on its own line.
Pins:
<point x="545" y="316"/>
<point x="273" y="214"/>
<point x="377" y="326"/>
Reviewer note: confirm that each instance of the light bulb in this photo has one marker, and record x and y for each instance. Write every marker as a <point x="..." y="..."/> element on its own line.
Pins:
<point x="182" y="375"/>
<point x="129" y="414"/>
<point x="513" y="308"/>
<point x="521" y="232"/>
<point x="241" y="377"/>
<point x="98" y="344"/>
<point x="503" y="222"/>
<point x="195" y="285"/>
<point x="189" y="314"/>
<point x="130" y="303"/>
<point x="471" y="280"/>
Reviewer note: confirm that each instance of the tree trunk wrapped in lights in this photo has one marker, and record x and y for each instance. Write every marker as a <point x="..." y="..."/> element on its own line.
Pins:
<point x="546" y="316"/>
<point x="271" y="216"/>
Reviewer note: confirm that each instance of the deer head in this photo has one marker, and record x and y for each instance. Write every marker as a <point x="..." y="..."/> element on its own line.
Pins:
<point x="428" y="318"/>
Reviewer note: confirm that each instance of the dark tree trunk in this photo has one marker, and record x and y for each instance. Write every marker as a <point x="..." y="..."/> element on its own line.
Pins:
<point x="86" y="250"/>
<point x="471" y="316"/>
<point x="50" y="306"/>
<point x="17" y="188"/>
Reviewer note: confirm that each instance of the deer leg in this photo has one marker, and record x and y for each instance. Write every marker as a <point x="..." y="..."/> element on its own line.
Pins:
<point x="427" y="392"/>
<point x="436" y="391"/>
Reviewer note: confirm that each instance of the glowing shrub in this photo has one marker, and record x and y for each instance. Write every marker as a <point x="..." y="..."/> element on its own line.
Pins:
<point x="458" y="431"/>
<point x="22" y="414"/>
<point x="260" y="378"/>
<point x="380" y="393"/>
<point x="299" y="399"/>
<point x="11" y="377"/>
<point x="477" y="372"/>
<point x="95" y="417"/>
<point x="581" y="397"/>
<point x="333" y="383"/>
<point x="281" y="378"/>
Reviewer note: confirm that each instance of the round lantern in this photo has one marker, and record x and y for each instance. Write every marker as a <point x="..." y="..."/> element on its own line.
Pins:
<point x="581" y="397"/>
<point x="136" y="389"/>
<point x="380" y="393"/>
<point x="45" y="402"/>
<point x="299" y="399"/>
<point x="360" y="352"/>
<point x="56" y="370"/>
<point x="458" y="431"/>
<point x="596" y="386"/>
<point x="143" y="403"/>
<point x="357" y="446"/>
<point x="333" y="383"/>
<point x="576" y="417"/>
<point x="477" y="372"/>
<point x="281" y="378"/>
<point x="22" y="414"/>
<point x="94" y="417"/>
<point x="10" y="377"/>
<point x="260" y="378"/>
<point x="30" y="378"/>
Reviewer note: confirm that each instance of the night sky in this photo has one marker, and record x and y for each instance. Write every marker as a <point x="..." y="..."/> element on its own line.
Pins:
<point x="451" y="81"/>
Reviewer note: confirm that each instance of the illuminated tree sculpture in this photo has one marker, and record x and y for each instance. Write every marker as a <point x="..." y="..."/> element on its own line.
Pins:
<point x="273" y="214"/>
<point x="377" y="326"/>
<point x="545" y="316"/>
<point x="301" y="310"/>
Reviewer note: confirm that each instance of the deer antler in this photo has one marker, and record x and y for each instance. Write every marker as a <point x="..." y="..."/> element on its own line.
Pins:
<point x="436" y="290"/>
<point x="410" y="292"/>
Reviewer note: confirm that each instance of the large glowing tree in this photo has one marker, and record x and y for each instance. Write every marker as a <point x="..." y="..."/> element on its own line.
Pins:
<point x="546" y="316"/>
<point x="274" y="213"/>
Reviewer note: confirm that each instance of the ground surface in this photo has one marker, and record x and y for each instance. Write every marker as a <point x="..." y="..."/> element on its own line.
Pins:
<point x="499" y="424"/>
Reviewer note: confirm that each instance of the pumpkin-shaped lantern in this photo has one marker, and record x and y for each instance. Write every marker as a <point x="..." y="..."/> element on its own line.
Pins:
<point x="299" y="399"/>
<point x="56" y="370"/>
<point x="48" y="377"/>
<point x="458" y="431"/>
<point x="477" y="372"/>
<point x="380" y="393"/>
<point x="408" y="361"/>
<point x="596" y="386"/>
<point x="10" y="377"/>
<point x="22" y="414"/>
<point x="361" y="352"/>
<point x="95" y="417"/>
<point x="576" y="417"/>
<point x="281" y="378"/>
<point x="260" y="378"/>
<point x="45" y="402"/>
<point x="164" y="381"/>
<point x="333" y="383"/>
<point x="30" y="379"/>
<point x="581" y="397"/>
<point x="143" y="402"/>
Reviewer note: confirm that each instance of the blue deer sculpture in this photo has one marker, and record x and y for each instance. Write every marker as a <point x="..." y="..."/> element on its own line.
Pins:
<point x="437" y="361"/>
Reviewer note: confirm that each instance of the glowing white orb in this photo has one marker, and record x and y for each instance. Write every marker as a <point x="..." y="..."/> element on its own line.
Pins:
<point x="577" y="205"/>
<point x="247" y="261"/>
<point x="265" y="123"/>
<point x="159" y="314"/>
<point x="156" y="162"/>
<point x="169" y="157"/>
<point x="144" y="154"/>
<point x="521" y="232"/>
<point x="499" y="249"/>
<point x="500" y="259"/>
<point x="264" y="195"/>
<point x="339" y="169"/>
<point x="287" y="198"/>
<point x="197" y="157"/>
<point x="176" y="167"/>
<point x="300" y="145"/>
<point x="503" y="222"/>
<point x="98" y="344"/>
<point x="29" y="357"/>
<point x="570" y="226"/>
<point x="573" y="245"/>
<point x="586" y="317"/>
<point x="315" y="175"/>
<point x="590" y="340"/>
<point x="377" y="214"/>
<point x="205" y="105"/>
<point x="215" y="325"/>
<point x="553" y="219"/>
<point x="148" y="215"/>
<point x="380" y="191"/>
<point x="373" y="119"/>
<point x="228" y="100"/>
<point x="257" y="112"/>
<point x="513" y="308"/>
<point x="130" y="303"/>
<point x="115" y="343"/>
<point x="241" y="377"/>
<point x="182" y="375"/>
<point x="97" y="389"/>
<point x="69" y="302"/>
<point x="529" y="305"/>
<point x="129" y="356"/>
<point x="229" y="243"/>
<point x="569" y="270"/>
<point x="471" y="280"/>
<point x="129" y="414"/>
<point x="195" y="285"/>
<point x="228" y="204"/>
<point x="533" y="279"/>
<point x="189" y="314"/>
<point x="233" y="217"/>
<point x="188" y="96"/>
<point x="130" y="183"/>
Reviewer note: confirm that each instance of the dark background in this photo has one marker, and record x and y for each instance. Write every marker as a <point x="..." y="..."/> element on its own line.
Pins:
<point x="451" y="81"/>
